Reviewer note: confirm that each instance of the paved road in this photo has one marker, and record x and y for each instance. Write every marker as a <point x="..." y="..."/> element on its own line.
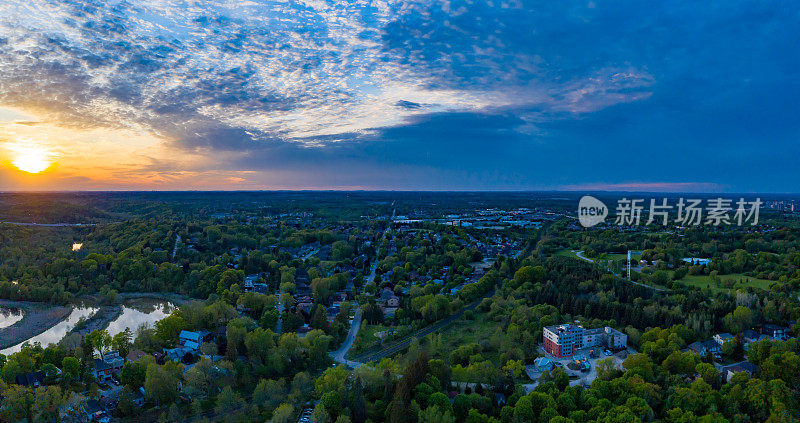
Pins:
<point x="175" y="248"/>
<point x="355" y="324"/>
<point x="279" y="325"/>
<point x="339" y="355"/>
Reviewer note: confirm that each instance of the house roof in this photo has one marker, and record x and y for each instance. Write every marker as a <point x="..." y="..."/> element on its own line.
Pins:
<point x="32" y="378"/>
<point x="744" y="366"/>
<point x="135" y="355"/>
<point x="92" y="406"/>
<point x="194" y="336"/>
<point x="101" y="365"/>
<point x="696" y="346"/>
<point x="750" y="334"/>
<point x="192" y="344"/>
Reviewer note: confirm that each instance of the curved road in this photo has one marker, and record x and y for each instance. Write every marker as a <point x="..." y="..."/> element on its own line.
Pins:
<point x="355" y="324"/>
<point x="339" y="355"/>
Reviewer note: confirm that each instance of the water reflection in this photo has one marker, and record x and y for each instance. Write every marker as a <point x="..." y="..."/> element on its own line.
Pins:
<point x="138" y="312"/>
<point x="57" y="332"/>
<point x="9" y="316"/>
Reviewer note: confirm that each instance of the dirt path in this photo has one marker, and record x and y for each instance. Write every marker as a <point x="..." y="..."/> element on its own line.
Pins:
<point x="38" y="317"/>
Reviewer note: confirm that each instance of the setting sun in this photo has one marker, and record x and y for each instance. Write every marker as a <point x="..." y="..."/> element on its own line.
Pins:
<point x="32" y="159"/>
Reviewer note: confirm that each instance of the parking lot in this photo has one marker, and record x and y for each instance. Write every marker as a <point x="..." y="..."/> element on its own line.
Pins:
<point x="577" y="377"/>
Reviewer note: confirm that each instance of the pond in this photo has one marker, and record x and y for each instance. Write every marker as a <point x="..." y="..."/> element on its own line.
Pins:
<point x="135" y="312"/>
<point x="55" y="333"/>
<point x="139" y="312"/>
<point x="9" y="316"/>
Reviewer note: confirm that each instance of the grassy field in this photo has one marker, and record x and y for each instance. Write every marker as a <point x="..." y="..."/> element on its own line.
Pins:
<point x="565" y="253"/>
<point x="479" y="330"/>
<point x="704" y="281"/>
<point x="609" y="256"/>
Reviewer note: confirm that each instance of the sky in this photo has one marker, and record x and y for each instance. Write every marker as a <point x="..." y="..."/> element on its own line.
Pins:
<point x="400" y="95"/>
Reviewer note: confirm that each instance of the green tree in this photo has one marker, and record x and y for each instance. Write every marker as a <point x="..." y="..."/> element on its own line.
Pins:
<point x="228" y="401"/>
<point x="283" y="414"/>
<point x="161" y="383"/>
<point x="47" y="403"/>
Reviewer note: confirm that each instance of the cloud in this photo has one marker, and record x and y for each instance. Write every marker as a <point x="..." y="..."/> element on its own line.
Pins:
<point x="647" y="187"/>
<point x="509" y="94"/>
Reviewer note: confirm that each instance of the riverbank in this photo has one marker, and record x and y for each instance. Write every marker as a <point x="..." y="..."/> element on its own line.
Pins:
<point x="38" y="317"/>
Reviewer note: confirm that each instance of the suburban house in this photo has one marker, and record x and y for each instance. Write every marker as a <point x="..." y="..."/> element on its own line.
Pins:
<point x="249" y="282"/>
<point x="95" y="412"/>
<point x="114" y="360"/>
<point x="332" y="312"/>
<point x="776" y="332"/>
<point x="722" y="338"/>
<point x="745" y="366"/>
<point x="190" y="339"/>
<point x="33" y="379"/>
<point x="750" y="336"/>
<point x="703" y="348"/>
<point x="543" y="364"/>
<point x="102" y="370"/>
<point x="305" y="307"/>
<point x="109" y="363"/>
<point x="180" y="354"/>
<point x="566" y="339"/>
<point x="386" y="294"/>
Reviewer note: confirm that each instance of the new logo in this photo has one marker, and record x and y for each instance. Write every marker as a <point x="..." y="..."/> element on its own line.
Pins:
<point x="591" y="211"/>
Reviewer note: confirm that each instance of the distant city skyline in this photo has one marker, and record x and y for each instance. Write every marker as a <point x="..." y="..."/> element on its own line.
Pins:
<point x="517" y="95"/>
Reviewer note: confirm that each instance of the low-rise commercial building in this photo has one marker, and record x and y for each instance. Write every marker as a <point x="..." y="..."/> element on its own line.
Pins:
<point x="565" y="340"/>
